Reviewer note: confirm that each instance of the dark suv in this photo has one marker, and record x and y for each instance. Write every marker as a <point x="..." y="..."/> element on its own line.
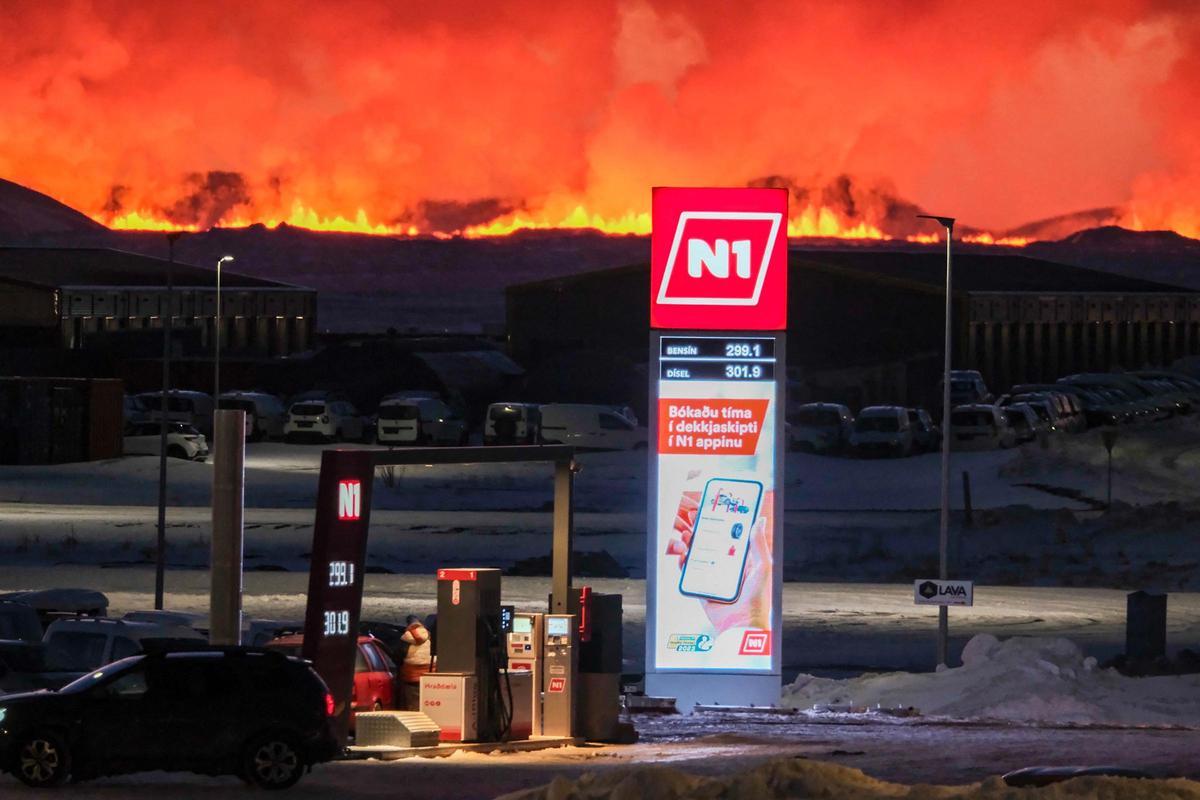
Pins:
<point x="259" y="715"/>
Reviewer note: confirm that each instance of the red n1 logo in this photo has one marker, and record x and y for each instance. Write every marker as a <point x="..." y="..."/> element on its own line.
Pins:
<point x="349" y="500"/>
<point x="701" y="240"/>
<point x="558" y="685"/>
<point x="755" y="643"/>
<point x="719" y="259"/>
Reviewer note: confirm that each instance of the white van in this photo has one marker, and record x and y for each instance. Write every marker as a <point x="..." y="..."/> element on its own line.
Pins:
<point x="882" y="430"/>
<point x="190" y="408"/>
<point x="333" y="420"/>
<point x="265" y="414"/>
<point x="88" y="643"/>
<point x="419" y="421"/>
<point x="979" y="426"/>
<point x="513" y="423"/>
<point x="593" y="427"/>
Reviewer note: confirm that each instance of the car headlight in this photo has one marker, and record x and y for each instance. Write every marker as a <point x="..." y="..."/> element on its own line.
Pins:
<point x="324" y="418"/>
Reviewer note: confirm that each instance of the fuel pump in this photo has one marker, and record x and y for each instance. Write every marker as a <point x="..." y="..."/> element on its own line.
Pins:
<point x="526" y="651"/>
<point x="560" y="674"/>
<point x="467" y="695"/>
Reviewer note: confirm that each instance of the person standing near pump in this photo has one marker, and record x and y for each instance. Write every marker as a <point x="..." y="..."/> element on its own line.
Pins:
<point x="417" y="661"/>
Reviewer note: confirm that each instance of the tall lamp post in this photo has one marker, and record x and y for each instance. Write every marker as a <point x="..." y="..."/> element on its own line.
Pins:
<point x="944" y="525"/>
<point x="160" y="556"/>
<point x="217" y="345"/>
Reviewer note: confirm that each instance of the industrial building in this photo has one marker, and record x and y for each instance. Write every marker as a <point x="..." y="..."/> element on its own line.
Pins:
<point x="866" y="325"/>
<point x="57" y="420"/>
<point x="72" y="299"/>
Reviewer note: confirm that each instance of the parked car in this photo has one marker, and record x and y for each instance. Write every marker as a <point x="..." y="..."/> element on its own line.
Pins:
<point x="23" y="668"/>
<point x="821" y="427"/>
<point x="1185" y="388"/>
<point x="265" y="414"/>
<point x="1094" y="408"/>
<point x="882" y="430"/>
<point x="980" y="426"/>
<point x="512" y="423"/>
<point x="413" y="394"/>
<point x="135" y="411"/>
<point x="87" y="643"/>
<point x="966" y="386"/>
<point x="19" y="622"/>
<point x="229" y="711"/>
<point x="183" y="441"/>
<point x="594" y="427"/>
<point x="375" y="674"/>
<point x="927" y="437"/>
<point x="423" y="421"/>
<point x="334" y="420"/>
<point x="1025" y="422"/>
<point x="190" y="408"/>
<point x="257" y="632"/>
<point x="61" y="603"/>
<point x="1147" y="404"/>
<point x="389" y="635"/>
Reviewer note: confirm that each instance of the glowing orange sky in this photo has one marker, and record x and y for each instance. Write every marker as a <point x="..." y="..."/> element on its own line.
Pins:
<point x="441" y="117"/>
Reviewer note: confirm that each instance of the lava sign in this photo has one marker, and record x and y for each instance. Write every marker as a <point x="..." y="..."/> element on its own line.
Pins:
<point x="719" y="259"/>
<point x="931" y="592"/>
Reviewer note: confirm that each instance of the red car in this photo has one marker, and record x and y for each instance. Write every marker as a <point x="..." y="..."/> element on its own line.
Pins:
<point x="374" y="673"/>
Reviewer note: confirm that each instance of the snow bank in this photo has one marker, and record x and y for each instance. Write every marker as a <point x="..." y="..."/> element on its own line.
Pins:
<point x="1022" y="679"/>
<point x="799" y="778"/>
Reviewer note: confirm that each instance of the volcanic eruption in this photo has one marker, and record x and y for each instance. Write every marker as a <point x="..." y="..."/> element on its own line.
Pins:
<point x="481" y="119"/>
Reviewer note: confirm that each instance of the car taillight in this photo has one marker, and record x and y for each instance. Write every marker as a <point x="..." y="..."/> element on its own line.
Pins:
<point x="329" y="704"/>
<point x="324" y="418"/>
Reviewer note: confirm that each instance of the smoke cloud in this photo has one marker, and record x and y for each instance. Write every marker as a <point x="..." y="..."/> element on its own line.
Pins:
<point x="456" y="114"/>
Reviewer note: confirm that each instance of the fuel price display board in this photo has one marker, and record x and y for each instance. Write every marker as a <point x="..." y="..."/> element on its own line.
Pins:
<point x="335" y="573"/>
<point x="718" y="429"/>
<point x="715" y="358"/>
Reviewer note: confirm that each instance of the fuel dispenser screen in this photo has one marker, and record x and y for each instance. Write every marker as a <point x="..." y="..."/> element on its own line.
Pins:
<point x="558" y="626"/>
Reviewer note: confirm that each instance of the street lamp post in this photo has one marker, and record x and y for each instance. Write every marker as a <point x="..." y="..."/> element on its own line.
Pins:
<point x="944" y="523"/>
<point x="160" y="556"/>
<point x="217" y="344"/>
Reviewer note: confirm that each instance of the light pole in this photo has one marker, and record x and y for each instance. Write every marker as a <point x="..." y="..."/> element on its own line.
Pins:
<point x="160" y="556"/>
<point x="217" y="345"/>
<point x="944" y="524"/>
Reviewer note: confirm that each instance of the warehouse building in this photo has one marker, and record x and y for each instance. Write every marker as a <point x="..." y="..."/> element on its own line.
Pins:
<point x="73" y="299"/>
<point x="866" y="325"/>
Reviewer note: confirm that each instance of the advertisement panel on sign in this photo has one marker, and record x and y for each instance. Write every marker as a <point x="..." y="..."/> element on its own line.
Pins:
<point x="719" y="259"/>
<point x="715" y="572"/>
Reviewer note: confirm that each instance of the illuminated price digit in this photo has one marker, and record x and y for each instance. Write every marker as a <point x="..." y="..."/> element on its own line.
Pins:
<point x="736" y="371"/>
<point x="337" y="623"/>
<point x="742" y="350"/>
<point x="341" y="573"/>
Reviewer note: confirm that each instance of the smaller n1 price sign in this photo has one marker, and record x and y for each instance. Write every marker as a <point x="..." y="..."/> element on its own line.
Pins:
<point x="335" y="573"/>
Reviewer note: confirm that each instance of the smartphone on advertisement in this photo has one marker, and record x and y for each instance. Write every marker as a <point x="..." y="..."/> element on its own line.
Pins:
<point x="716" y="561"/>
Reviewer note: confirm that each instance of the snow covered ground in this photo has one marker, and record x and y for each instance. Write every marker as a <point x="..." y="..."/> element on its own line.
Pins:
<point x="1022" y="679"/>
<point x="829" y="628"/>
<point x="861" y="520"/>
<point x="786" y="779"/>
<point x="1046" y="562"/>
<point x="731" y="759"/>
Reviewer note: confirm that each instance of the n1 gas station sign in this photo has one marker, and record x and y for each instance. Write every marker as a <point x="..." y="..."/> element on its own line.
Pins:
<point x="714" y="588"/>
<point x="719" y="259"/>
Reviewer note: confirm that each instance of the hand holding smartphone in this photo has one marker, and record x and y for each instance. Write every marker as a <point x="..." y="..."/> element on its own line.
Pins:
<point x="724" y="522"/>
